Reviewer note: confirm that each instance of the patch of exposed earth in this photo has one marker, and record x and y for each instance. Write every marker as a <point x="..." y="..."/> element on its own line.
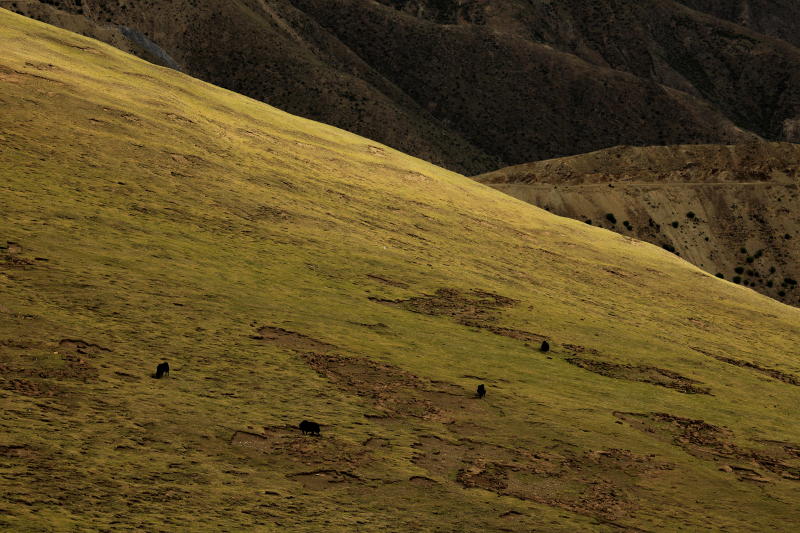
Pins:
<point x="771" y="372"/>
<point x="715" y="443"/>
<point x="598" y="483"/>
<point x="395" y="392"/>
<point x="32" y="369"/>
<point x="643" y="374"/>
<point x="475" y="308"/>
<point x="11" y="257"/>
<point x="316" y="462"/>
<point x="292" y="340"/>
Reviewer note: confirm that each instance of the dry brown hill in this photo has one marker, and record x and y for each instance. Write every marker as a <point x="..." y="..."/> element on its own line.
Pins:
<point x="475" y="85"/>
<point x="728" y="209"/>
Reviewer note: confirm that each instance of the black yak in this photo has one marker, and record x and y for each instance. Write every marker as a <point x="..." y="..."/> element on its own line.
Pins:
<point x="309" y="428"/>
<point x="162" y="370"/>
<point x="481" y="391"/>
<point x="545" y="347"/>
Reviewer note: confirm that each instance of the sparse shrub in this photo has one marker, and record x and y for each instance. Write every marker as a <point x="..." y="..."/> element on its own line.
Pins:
<point x="789" y="281"/>
<point x="690" y="215"/>
<point x="668" y="247"/>
<point x="787" y="236"/>
<point x="611" y="218"/>
<point x="627" y="225"/>
<point x="772" y="270"/>
<point x="750" y="259"/>
<point x="738" y="270"/>
<point x="751" y="273"/>
<point x="770" y="284"/>
<point x="758" y="254"/>
<point x="781" y="293"/>
<point x="589" y="222"/>
<point x="675" y="224"/>
<point x="737" y="279"/>
<point x="720" y="275"/>
<point x="743" y="250"/>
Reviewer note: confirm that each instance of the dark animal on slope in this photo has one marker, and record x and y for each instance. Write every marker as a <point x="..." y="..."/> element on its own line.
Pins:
<point x="481" y="391"/>
<point x="309" y="428"/>
<point x="545" y="347"/>
<point x="162" y="370"/>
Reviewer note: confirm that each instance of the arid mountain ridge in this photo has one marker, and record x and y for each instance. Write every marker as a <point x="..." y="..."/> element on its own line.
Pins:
<point x="728" y="209"/>
<point x="477" y="85"/>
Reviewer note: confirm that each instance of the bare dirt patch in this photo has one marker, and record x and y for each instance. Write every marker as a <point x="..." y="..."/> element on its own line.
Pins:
<point x="475" y="308"/>
<point x="17" y="450"/>
<point x="388" y="281"/>
<point x="643" y="374"/>
<point x="10" y="76"/>
<point x="33" y="388"/>
<point x="771" y="372"/>
<point x="392" y="391"/>
<point x="323" y="479"/>
<point x="577" y="348"/>
<point x="525" y="336"/>
<point x="474" y="305"/>
<point x="268" y="212"/>
<point x="8" y="262"/>
<point x="11" y="258"/>
<point x="79" y="347"/>
<point x="715" y="443"/>
<point x="596" y="483"/>
<point x="292" y="340"/>
<point x="376" y="150"/>
<point x="331" y="460"/>
<point x="25" y="369"/>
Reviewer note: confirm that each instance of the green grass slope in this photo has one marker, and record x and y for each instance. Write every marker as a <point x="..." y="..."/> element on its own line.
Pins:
<point x="289" y="270"/>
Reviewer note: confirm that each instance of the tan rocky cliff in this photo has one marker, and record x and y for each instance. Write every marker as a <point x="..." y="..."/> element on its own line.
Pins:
<point x="731" y="210"/>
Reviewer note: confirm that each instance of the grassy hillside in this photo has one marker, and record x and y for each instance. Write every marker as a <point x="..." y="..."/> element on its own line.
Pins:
<point x="288" y="270"/>
<point x="727" y="209"/>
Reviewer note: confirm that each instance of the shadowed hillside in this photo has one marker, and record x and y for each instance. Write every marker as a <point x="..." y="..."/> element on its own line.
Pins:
<point x="475" y="85"/>
<point x="778" y="18"/>
<point x="730" y="210"/>
<point x="291" y="271"/>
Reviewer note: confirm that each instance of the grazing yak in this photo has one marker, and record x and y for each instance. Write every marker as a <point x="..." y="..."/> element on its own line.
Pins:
<point x="162" y="370"/>
<point x="545" y="347"/>
<point x="481" y="391"/>
<point x="311" y="428"/>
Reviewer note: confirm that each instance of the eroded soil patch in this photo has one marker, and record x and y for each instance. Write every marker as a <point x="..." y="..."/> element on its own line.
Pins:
<point x="474" y="305"/>
<point x="9" y="262"/>
<point x="324" y="478"/>
<point x="11" y="256"/>
<point x="597" y="483"/>
<point x="387" y="281"/>
<point x="292" y="340"/>
<point x="771" y="372"/>
<point x="393" y="391"/>
<point x="35" y="370"/>
<point x="475" y="308"/>
<point x="710" y="442"/>
<point x="321" y="460"/>
<point x="643" y="374"/>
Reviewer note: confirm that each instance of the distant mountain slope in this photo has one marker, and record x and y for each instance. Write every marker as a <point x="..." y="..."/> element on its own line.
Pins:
<point x="291" y="271"/>
<point x="476" y="85"/>
<point x="778" y="18"/>
<point x="735" y="206"/>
